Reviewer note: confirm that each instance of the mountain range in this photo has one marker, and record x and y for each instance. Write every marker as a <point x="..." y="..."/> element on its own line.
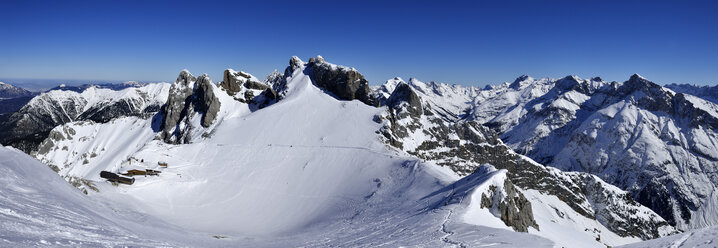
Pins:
<point x="315" y="156"/>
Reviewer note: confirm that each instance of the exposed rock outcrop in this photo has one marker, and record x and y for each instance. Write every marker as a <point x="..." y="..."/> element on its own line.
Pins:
<point x="243" y="86"/>
<point x="512" y="206"/>
<point x="273" y="78"/>
<point x="188" y="96"/>
<point x="206" y="100"/>
<point x="343" y="82"/>
<point x="404" y="94"/>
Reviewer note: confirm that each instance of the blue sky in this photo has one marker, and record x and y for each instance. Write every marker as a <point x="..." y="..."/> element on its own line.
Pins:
<point x="470" y="43"/>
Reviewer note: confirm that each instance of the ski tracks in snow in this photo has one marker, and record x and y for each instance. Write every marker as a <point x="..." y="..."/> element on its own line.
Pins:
<point x="679" y="242"/>
<point x="448" y="233"/>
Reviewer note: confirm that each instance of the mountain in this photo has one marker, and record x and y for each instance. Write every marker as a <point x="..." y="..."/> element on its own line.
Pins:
<point x="11" y="105"/>
<point x="113" y="86"/>
<point x="412" y="125"/>
<point x="646" y="139"/>
<point x="310" y="160"/>
<point x="27" y="127"/>
<point x="709" y="93"/>
<point x="12" y="98"/>
<point x="10" y="91"/>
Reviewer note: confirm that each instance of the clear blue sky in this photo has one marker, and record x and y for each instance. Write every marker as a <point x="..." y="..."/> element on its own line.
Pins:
<point x="471" y="43"/>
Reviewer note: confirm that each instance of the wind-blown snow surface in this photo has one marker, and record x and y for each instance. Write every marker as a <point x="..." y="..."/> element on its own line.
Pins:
<point x="38" y="208"/>
<point x="306" y="171"/>
<point x="699" y="238"/>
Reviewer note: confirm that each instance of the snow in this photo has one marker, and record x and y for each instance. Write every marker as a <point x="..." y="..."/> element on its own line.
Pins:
<point x="482" y="216"/>
<point x="38" y="208"/>
<point x="306" y="171"/>
<point x="568" y="227"/>
<point x="601" y="128"/>
<point x="699" y="238"/>
<point x="310" y="170"/>
<point x="704" y="105"/>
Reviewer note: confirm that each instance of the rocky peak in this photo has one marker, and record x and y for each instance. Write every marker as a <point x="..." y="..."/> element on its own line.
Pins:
<point x="280" y="86"/>
<point x="512" y="206"/>
<point x="294" y="64"/>
<point x="273" y="78"/>
<point x="185" y="78"/>
<point x="404" y="96"/>
<point x="343" y="82"/>
<point x="637" y="82"/>
<point x="568" y="83"/>
<point x="517" y="83"/>
<point x="187" y="97"/>
<point x="243" y="86"/>
<point x="207" y="102"/>
<point x="654" y="97"/>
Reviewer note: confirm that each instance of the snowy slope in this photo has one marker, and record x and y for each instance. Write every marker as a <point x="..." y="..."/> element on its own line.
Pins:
<point x="308" y="170"/>
<point x="39" y="209"/>
<point x="698" y="238"/>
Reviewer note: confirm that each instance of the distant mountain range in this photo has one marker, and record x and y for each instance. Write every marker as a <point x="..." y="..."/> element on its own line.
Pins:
<point x="10" y="91"/>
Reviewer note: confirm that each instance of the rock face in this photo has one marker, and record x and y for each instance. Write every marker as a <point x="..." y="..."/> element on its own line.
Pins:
<point x="514" y="209"/>
<point x="243" y="86"/>
<point x="343" y="82"/>
<point x="248" y="89"/>
<point x="207" y="102"/>
<point x="465" y="145"/>
<point x="177" y="106"/>
<point x="403" y="94"/>
<point x="188" y="96"/>
<point x="27" y="127"/>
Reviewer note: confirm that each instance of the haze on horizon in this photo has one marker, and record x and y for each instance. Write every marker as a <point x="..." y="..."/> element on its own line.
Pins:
<point x="470" y="43"/>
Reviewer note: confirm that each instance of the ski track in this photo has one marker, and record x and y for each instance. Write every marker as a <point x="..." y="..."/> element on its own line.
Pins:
<point x="678" y="243"/>
<point x="447" y="219"/>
